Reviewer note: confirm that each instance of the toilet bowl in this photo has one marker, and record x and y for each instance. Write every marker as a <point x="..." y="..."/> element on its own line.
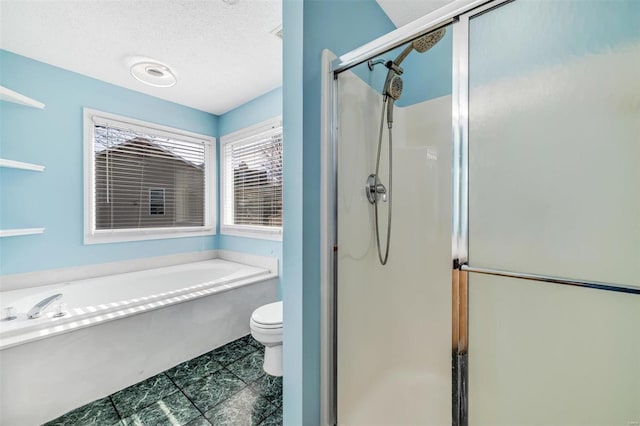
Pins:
<point x="266" y="328"/>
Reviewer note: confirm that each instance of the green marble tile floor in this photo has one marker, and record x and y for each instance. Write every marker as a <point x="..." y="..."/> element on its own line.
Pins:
<point x="226" y="386"/>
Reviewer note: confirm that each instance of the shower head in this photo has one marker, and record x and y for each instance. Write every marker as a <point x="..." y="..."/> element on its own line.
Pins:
<point x="393" y="83"/>
<point x="421" y="44"/>
<point x="394" y="87"/>
<point x="392" y="92"/>
<point x="427" y="41"/>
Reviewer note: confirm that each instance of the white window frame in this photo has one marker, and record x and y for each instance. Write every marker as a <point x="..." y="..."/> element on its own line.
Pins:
<point x="100" y="236"/>
<point x="250" y="231"/>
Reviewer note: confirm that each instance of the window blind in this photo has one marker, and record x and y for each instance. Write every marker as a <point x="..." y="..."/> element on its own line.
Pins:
<point x="253" y="180"/>
<point x="147" y="179"/>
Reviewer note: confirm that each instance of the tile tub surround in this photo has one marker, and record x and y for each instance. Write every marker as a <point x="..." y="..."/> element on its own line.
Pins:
<point x="226" y="386"/>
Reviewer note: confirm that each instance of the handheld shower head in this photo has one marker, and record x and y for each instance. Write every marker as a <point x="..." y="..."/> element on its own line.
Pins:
<point x="421" y="44"/>
<point x="393" y="91"/>
<point x="394" y="87"/>
<point x="393" y="84"/>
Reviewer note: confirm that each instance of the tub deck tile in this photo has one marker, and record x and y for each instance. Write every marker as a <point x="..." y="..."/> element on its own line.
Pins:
<point x="100" y="412"/>
<point x="249" y="368"/>
<point x="213" y="389"/>
<point x="173" y="410"/>
<point x="246" y="408"/>
<point x="193" y="370"/>
<point x="141" y="395"/>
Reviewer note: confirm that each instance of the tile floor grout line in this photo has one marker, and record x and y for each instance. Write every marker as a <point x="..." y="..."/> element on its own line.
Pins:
<point x="223" y="367"/>
<point x="237" y="392"/>
<point x="260" y="393"/>
<point x="247" y="386"/>
<point x="266" y="417"/>
<point x="243" y="341"/>
<point x="150" y="404"/>
<point x="227" y="398"/>
<point x="269" y="416"/>
<point x="114" y="407"/>
<point x="189" y="399"/>
<point x="238" y="359"/>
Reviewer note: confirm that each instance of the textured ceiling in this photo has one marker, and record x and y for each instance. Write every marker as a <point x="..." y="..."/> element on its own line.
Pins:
<point x="402" y="12"/>
<point x="223" y="55"/>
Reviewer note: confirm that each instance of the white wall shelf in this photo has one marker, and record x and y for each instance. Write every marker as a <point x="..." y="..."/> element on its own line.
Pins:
<point x="18" y="98"/>
<point x="20" y="165"/>
<point x="19" y="232"/>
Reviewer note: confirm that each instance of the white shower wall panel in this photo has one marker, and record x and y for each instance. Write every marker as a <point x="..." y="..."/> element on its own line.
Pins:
<point x="394" y="332"/>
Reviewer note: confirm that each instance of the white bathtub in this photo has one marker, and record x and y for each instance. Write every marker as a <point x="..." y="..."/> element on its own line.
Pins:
<point x="120" y="329"/>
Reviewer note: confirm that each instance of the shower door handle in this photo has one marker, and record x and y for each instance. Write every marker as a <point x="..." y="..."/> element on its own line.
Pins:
<point x="622" y="288"/>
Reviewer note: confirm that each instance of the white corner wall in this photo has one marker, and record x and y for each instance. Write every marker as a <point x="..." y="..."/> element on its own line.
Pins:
<point x="394" y="321"/>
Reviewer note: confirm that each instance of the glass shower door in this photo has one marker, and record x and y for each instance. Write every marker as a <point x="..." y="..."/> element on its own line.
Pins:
<point x="554" y="191"/>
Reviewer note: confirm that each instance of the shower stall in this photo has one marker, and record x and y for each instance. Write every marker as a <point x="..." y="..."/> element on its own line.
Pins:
<point x="484" y="207"/>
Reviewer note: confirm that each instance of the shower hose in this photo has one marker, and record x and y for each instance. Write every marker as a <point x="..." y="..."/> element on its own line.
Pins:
<point x="383" y="259"/>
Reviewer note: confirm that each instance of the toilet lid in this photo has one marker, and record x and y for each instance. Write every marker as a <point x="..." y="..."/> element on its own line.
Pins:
<point x="270" y="314"/>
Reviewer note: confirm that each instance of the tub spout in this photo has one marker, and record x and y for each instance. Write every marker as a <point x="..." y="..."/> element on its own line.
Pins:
<point x="39" y="308"/>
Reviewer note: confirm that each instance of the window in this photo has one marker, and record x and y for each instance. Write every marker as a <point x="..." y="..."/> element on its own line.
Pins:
<point x="156" y="201"/>
<point x="251" y="174"/>
<point x="146" y="181"/>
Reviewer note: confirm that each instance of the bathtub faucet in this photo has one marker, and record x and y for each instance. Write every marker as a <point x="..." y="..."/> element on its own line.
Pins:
<point x="39" y="308"/>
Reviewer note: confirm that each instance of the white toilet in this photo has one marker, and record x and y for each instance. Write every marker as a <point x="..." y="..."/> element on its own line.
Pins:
<point x="266" y="328"/>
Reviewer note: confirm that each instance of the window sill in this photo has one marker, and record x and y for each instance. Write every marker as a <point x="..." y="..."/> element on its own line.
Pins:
<point x="126" y="235"/>
<point x="258" y="232"/>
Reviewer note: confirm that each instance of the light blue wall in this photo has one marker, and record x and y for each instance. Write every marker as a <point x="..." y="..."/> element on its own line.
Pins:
<point x="256" y="111"/>
<point x="310" y="26"/>
<point x="253" y="112"/>
<point x="54" y="137"/>
<point x="294" y="386"/>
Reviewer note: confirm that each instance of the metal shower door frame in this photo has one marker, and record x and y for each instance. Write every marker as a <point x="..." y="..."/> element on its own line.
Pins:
<point x="460" y="214"/>
<point x="460" y="237"/>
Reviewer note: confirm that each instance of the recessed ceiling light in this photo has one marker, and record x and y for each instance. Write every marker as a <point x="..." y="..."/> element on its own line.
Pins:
<point x="153" y="74"/>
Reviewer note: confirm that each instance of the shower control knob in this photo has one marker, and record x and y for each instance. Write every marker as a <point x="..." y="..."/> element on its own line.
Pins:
<point x="375" y="190"/>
